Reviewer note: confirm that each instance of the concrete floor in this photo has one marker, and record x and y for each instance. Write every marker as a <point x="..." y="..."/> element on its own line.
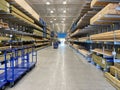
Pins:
<point x="62" y="69"/>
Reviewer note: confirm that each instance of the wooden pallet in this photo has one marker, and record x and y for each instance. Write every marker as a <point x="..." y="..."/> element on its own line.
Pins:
<point x="107" y="14"/>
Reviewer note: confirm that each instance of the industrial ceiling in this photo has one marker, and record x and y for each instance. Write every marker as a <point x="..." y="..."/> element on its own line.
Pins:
<point x="58" y="14"/>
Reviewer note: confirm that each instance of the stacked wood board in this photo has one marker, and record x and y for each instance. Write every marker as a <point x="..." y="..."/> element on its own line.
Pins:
<point x="105" y="52"/>
<point x="17" y="13"/>
<point x="27" y="38"/>
<point x="23" y="4"/>
<point x="3" y="38"/>
<point x="84" y="52"/>
<point x="107" y="36"/>
<point x="75" y="32"/>
<point x="101" y="3"/>
<point x="115" y="71"/>
<point x="4" y="6"/>
<point x="15" y="10"/>
<point x="107" y="15"/>
<point x="76" y="46"/>
<point x="113" y="80"/>
<point x="101" y="61"/>
<point x="39" y="33"/>
<point x="84" y="39"/>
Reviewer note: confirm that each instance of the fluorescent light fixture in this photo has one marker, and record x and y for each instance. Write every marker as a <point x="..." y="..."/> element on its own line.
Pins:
<point x="64" y="2"/>
<point x="48" y="3"/>
<point x="64" y="11"/>
<point x="51" y="11"/>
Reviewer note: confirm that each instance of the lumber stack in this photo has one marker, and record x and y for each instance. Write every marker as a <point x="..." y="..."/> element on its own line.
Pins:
<point x="101" y="61"/>
<point x="21" y="14"/>
<point x="113" y="80"/>
<point x="105" y="52"/>
<point x="23" y="4"/>
<point x="101" y="3"/>
<point x="4" y="6"/>
<point x="83" y="39"/>
<point x="3" y="38"/>
<point x="107" y="36"/>
<point x="36" y="32"/>
<point x="76" y="46"/>
<point x="107" y="14"/>
<point x="115" y="71"/>
<point x="75" y="32"/>
<point x="84" y="52"/>
<point x="27" y="38"/>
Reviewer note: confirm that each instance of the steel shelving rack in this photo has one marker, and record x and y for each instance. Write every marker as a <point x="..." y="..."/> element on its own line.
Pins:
<point x="19" y="46"/>
<point x="102" y="39"/>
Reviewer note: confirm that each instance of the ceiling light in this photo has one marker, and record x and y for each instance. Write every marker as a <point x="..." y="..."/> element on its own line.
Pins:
<point x="55" y="19"/>
<point x="64" y="11"/>
<point x="64" y="19"/>
<point x="64" y="2"/>
<point x="48" y="3"/>
<point x="51" y="11"/>
<point x="51" y="21"/>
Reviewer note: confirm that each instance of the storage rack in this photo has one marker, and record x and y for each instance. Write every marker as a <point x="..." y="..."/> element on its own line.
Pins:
<point x="21" y="36"/>
<point x="100" y="37"/>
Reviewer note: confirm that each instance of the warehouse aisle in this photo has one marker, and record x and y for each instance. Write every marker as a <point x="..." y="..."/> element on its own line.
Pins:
<point x="62" y="69"/>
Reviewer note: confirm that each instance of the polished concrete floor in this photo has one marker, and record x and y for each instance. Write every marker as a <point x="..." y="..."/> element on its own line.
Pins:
<point x="62" y="69"/>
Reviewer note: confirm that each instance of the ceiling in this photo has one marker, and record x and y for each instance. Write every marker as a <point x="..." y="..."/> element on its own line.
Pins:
<point x="58" y="14"/>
